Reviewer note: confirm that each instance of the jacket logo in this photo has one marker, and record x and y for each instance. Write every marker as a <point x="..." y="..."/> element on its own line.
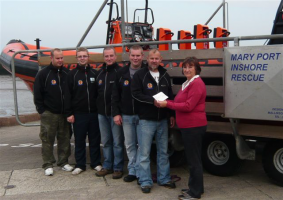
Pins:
<point x="163" y="85"/>
<point x="100" y="82"/>
<point x="112" y="82"/>
<point x="126" y="83"/>
<point x="92" y="79"/>
<point x="53" y="82"/>
<point x="149" y="86"/>
<point x="80" y="82"/>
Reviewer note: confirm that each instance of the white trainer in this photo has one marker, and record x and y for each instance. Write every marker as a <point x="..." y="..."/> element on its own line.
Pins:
<point x="98" y="168"/>
<point x="49" y="172"/>
<point x="77" y="171"/>
<point x="67" y="168"/>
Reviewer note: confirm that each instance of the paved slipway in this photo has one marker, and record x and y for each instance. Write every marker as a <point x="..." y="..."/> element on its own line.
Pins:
<point x="21" y="177"/>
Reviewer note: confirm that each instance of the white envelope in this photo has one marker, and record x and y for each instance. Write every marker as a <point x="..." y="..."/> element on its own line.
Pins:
<point x="160" y="96"/>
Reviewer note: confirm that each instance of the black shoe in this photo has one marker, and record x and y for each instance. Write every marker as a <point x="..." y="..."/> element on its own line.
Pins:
<point x="138" y="181"/>
<point x="186" y="197"/>
<point x="187" y="190"/>
<point x="130" y="178"/>
<point x="146" y="189"/>
<point x="169" y="185"/>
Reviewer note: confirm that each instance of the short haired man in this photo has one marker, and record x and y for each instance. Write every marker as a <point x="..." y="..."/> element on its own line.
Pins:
<point x="112" y="137"/>
<point x="125" y="108"/>
<point x="146" y="83"/>
<point x="48" y="99"/>
<point x="81" y="110"/>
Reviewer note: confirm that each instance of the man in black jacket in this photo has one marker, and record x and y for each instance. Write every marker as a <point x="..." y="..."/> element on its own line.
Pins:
<point x="146" y="83"/>
<point x="125" y="108"/>
<point x="48" y="99"/>
<point x="112" y="137"/>
<point x="81" y="110"/>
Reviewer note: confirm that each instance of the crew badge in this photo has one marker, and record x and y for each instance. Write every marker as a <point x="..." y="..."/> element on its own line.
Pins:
<point x="149" y="86"/>
<point x="80" y="82"/>
<point x="53" y="82"/>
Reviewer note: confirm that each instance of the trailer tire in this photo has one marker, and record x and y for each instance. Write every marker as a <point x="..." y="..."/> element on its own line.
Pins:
<point x="272" y="161"/>
<point x="219" y="155"/>
<point x="176" y="158"/>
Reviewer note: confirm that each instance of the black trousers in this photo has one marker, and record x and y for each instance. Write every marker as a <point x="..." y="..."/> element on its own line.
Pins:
<point x="192" y="138"/>
<point x="87" y="125"/>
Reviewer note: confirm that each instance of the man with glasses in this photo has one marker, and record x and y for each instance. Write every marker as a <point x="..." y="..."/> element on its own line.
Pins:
<point x="81" y="110"/>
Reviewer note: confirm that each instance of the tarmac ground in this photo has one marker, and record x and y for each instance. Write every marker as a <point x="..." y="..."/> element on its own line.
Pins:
<point x="21" y="177"/>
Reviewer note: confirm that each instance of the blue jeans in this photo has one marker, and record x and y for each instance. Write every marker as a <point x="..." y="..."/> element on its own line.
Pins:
<point x="130" y="124"/>
<point x="112" y="139"/>
<point x="146" y="131"/>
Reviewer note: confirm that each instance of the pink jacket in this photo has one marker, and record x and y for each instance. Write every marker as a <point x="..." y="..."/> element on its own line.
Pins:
<point x="189" y="105"/>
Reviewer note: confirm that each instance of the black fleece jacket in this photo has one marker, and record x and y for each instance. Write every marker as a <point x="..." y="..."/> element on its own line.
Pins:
<point x="80" y="91"/>
<point x="105" y="80"/>
<point x="49" y="89"/>
<point x="122" y="101"/>
<point x="144" y="87"/>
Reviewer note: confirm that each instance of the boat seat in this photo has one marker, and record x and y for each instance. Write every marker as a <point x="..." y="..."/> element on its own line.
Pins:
<point x="162" y="35"/>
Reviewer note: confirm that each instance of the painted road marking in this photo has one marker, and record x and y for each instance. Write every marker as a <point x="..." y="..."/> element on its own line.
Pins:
<point x="32" y="145"/>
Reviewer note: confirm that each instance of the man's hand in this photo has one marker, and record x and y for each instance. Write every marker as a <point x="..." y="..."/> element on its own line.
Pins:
<point x="172" y="122"/>
<point x="71" y="119"/>
<point x="162" y="104"/>
<point x="118" y="120"/>
<point x="156" y="104"/>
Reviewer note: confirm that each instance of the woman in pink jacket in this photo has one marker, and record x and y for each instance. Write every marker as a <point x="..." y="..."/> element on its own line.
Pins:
<point x="189" y="105"/>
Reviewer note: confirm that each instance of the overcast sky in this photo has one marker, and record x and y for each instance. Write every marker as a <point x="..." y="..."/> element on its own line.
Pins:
<point x="61" y="23"/>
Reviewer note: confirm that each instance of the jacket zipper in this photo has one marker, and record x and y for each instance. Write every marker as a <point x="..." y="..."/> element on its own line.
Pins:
<point x="105" y="91"/>
<point x="133" y="102"/>
<point x="61" y="92"/>
<point x="158" y="92"/>
<point x="87" y="90"/>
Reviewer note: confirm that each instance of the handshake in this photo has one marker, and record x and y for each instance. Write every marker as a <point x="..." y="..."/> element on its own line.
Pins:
<point x="160" y="100"/>
<point x="160" y="104"/>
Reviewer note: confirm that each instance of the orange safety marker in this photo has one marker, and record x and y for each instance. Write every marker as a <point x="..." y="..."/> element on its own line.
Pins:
<point x="201" y="32"/>
<point x="162" y="35"/>
<point x="218" y="33"/>
<point x="184" y="35"/>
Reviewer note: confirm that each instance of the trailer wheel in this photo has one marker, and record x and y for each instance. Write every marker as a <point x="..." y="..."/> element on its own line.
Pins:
<point x="219" y="155"/>
<point x="273" y="161"/>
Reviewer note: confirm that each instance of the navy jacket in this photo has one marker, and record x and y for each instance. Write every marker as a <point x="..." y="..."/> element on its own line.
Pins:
<point x="80" y="91"/>
<point x="105" y="80"/>
<point x="122" y="100"/>
<point x="49" y="89"/>
<point x="144" y="87"/>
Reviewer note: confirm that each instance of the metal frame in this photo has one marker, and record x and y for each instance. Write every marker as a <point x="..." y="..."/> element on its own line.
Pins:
<point x="92" y="22"/>
<point x="224" y="14"/>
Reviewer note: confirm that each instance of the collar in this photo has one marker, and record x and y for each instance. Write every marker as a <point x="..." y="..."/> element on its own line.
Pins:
<point x="126" y="70"/>
<point x="161" y="70"/>
<point x="187" y="82"/>
<point x="83" y="68"/>
<point x="109" y="68"/>
<point x="56" y="69"/>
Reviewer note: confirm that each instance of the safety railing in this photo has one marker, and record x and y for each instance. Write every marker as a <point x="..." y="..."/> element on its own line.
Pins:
<point x="169" y="55"/>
